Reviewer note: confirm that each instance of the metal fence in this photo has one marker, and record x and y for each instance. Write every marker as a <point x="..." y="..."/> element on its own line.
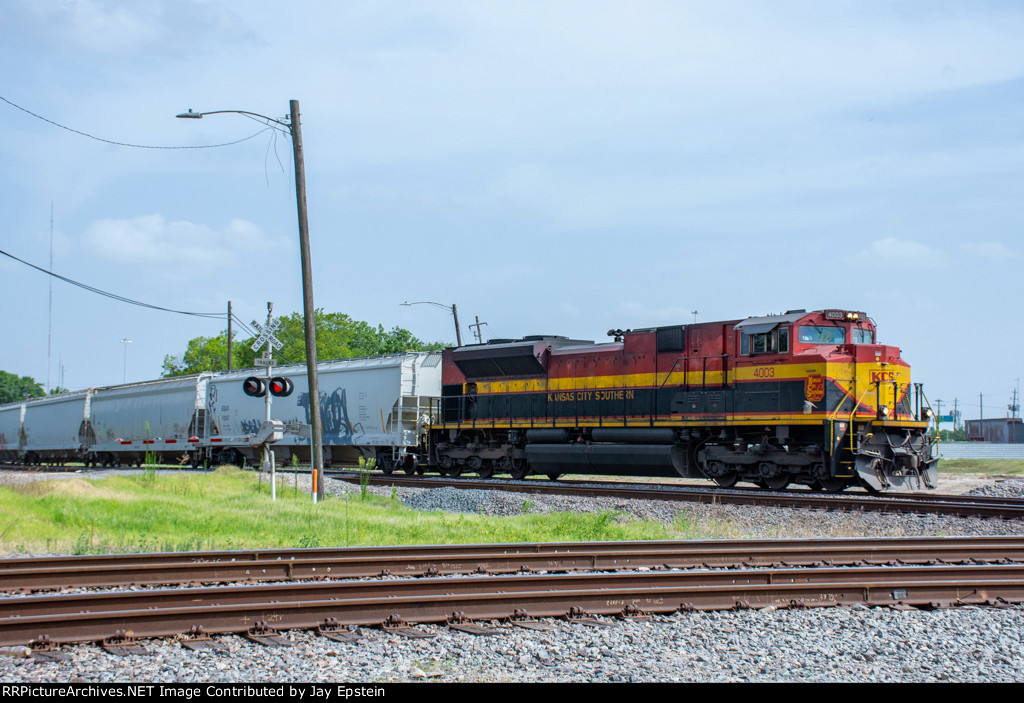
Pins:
<point x="980" y="450"/>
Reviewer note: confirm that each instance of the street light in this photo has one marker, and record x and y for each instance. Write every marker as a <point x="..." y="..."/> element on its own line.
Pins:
<point x="308" y="311"/>
<point x="455" y="314"/>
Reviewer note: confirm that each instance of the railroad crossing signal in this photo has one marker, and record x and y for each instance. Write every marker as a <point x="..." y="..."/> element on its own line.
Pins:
<point x="281" y="387"/>
<point x="267" y="335"/>
<point x="278" y="386"/>
<point x="254" y="387"/>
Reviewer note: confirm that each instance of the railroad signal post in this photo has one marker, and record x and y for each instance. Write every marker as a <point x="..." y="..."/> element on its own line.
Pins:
<point x="261" y="388"/>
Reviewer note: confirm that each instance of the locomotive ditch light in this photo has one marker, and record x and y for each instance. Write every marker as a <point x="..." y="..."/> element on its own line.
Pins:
<point x="883" y="412"/>
<point x="254" y="387"/>
<point x="927" y="414"/>
<point x="281" y="387"/>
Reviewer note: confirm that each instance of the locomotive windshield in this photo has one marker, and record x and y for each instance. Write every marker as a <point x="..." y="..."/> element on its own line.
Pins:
<point x="833" y="335"/>
<point x="814" y="334"/>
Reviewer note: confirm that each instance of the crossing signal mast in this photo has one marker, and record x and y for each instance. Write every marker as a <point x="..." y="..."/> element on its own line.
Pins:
<point x="256" y="387"/>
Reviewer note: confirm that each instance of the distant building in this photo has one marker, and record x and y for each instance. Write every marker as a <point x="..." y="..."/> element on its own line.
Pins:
<point x="999" y="430"/>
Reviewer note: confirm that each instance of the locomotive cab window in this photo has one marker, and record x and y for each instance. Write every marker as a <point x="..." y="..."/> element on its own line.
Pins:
<point x="863" y="336"/>
<point x="774" y="342"/>
<point x="824" y="336"/>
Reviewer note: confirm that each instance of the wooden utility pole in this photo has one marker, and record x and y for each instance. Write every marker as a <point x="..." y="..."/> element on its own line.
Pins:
<point x="229" y="335"/>
<point x="308" y="309"/>
<point x="479" y="333"/>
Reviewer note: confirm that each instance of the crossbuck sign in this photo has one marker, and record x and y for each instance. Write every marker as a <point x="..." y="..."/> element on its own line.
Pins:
<point x="267" y="335"/>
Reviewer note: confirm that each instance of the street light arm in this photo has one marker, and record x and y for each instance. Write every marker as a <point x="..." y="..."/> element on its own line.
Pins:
<point x="451" y="308"/>
<point x="199" y="116"/>
<point x="430" y="302"/>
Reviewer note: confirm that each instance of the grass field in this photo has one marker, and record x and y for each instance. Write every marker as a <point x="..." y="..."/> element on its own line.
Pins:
<point x="232" y="509"/>
<point x="981" y="467"/>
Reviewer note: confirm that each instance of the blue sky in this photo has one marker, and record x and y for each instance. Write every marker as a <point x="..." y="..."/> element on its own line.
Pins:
<point x="555" y="167"/>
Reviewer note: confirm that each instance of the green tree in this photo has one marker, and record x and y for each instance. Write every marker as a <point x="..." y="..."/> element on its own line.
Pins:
<point x="13" y="388"/>
<point x="201" y="354"/>
<point x="338" y="336"/>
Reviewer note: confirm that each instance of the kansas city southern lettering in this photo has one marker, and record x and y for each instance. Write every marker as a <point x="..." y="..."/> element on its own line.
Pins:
<point x="571" y="396"/>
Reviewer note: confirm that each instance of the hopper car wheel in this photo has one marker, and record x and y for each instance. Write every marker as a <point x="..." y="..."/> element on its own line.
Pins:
<point x="832" y="485"/>
<point x="553" y="476"/>
<point x="409" y="464"/>
<point x="446" y="466"/>
<point x="776" y="483"/>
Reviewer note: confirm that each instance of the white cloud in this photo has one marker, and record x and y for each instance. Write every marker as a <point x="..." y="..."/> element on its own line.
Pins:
<point x="182" y="248"/>
<point x="570" y="309"/>
<point x="892" y="251"/>
<point x="125" y="27"/>
<point x="993" y="251"/>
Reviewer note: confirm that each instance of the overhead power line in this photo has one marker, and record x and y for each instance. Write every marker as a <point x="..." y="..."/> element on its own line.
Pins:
<point x="133" y="146"/>
<point x="113" y="296"/>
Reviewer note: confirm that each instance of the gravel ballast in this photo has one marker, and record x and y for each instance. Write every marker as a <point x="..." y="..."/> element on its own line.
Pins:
<point x="824" y="644"/>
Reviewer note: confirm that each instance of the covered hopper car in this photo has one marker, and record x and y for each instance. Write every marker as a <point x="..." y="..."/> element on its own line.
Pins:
<point x="372" y="407"/>
<point x="804" y="397"/>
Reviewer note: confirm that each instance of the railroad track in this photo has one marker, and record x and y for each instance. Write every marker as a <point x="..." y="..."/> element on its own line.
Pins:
<point x="331" y="605"/>
<point x="961" y="506"/>
<point x="130" y="570"/>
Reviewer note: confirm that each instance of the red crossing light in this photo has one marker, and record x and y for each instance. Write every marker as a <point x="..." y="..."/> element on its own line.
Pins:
<point x="281" y="387"/>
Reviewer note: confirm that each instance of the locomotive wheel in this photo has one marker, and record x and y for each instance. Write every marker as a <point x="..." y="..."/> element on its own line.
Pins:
<point x="518" y="470"/>
<point x="777" y="482"/>
<point x="832" y="485"/>
<point x="446" y="467"/>
<point x="727" y="480"/>
<point x="554" y="477"/>
<point x="487" y="470"/>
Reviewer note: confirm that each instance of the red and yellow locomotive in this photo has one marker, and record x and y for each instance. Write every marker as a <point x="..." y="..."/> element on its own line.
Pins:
<point x="804" y="397"/>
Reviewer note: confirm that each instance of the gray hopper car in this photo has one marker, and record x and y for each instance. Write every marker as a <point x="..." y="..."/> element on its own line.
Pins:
<point x="374" y="407"/>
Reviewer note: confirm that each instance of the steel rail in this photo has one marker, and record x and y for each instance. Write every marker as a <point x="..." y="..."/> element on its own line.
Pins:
<point x="962" y="506"/>
<point x="361" y="562"/>
<point x="88" y="617"/>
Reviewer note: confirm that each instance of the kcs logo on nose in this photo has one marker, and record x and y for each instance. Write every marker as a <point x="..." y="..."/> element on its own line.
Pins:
<point x="883" y="376"/>
<point x="814" y="388"/>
